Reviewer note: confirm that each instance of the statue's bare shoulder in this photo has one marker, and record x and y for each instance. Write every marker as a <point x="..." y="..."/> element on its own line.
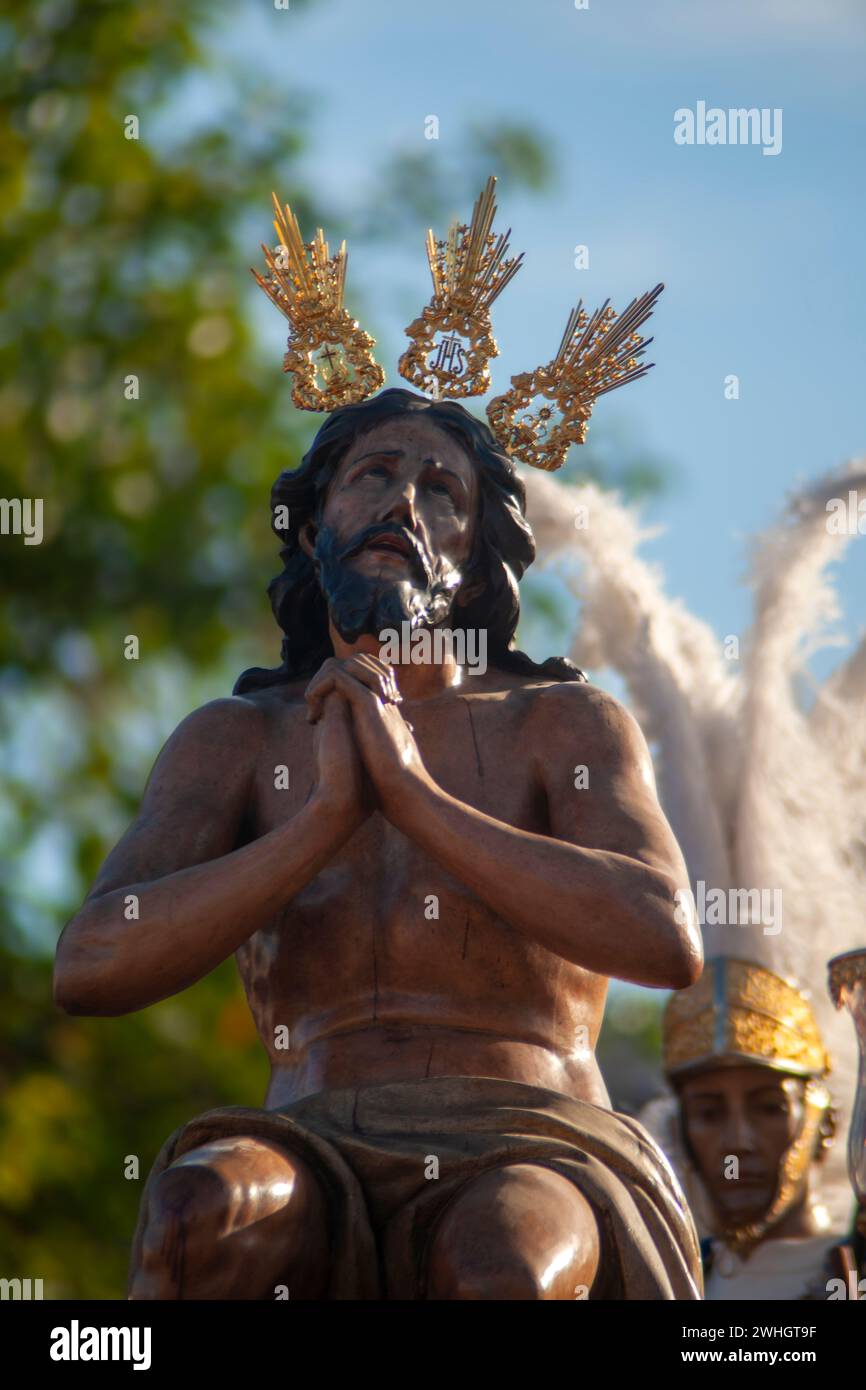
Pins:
<point x="568" y="711"/>
<point x="218" y="742"/>
<point x="596" y="769"/>
<point x="196" y="796"/>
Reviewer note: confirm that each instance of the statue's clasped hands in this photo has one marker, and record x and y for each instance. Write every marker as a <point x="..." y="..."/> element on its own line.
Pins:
<point x="382" y="736"/>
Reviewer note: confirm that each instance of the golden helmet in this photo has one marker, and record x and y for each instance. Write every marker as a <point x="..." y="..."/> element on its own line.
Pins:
<point x="740" y="1012"/>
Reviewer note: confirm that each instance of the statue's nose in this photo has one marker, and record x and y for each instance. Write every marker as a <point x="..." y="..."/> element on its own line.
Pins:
<point x="401" y="507"/>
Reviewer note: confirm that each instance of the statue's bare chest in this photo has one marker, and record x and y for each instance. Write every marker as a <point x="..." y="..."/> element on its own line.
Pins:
<point x="383" y="923"/>
<point x="474" y="748"/>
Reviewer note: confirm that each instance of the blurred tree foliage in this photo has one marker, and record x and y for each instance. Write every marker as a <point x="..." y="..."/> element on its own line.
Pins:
<point x="127" y="258"/>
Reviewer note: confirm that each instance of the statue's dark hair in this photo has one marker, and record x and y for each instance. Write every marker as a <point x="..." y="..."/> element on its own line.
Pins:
<point x="503" y="543"/>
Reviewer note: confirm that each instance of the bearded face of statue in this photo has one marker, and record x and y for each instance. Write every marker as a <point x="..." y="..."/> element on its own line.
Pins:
<point x="396" y="529"/>
<point x="740" y="1124"/>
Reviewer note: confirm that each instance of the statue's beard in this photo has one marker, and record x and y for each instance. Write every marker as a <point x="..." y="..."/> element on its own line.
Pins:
<point x="361" y="603"/>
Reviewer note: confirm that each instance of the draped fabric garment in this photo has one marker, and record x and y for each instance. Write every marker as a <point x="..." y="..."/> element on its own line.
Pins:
<point x="372" y="1148"/>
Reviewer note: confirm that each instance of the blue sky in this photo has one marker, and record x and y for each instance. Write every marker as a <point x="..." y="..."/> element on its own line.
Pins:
<point x="761" y="255"/>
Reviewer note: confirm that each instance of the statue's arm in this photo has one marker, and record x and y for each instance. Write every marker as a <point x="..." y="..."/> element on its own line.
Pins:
<point x="648" y="923"/>
<point x="176" y="897"/>
<point x="603" y="888"/>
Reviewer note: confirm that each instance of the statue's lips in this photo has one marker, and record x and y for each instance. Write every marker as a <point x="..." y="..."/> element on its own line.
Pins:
<point x="390" y="545"/>
<point x="752" y="1177"/>
<point x="395" y="546"/>
<point x="743" y="1191"/>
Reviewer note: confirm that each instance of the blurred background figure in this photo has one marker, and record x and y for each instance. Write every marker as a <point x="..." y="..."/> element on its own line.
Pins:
<point x="749" y="1132"/>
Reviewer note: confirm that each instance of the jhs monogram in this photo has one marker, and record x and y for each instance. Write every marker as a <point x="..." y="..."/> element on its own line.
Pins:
<point x="450" y="356"/>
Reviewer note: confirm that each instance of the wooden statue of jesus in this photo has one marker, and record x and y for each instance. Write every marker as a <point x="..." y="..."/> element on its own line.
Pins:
<point x="427" y="873"/>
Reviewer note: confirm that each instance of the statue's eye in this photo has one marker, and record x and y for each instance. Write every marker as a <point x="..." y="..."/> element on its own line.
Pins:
<point x="706" y="1114"/>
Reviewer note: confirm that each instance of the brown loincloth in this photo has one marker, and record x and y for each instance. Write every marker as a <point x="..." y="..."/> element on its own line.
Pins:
<point x="370" y="1148"/>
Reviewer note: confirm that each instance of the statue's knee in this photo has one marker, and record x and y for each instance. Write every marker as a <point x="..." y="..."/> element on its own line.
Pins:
<point x="191" y="1198"/>
<point x="455" y="1274"/>
<point x="519" y="1232"/>
<point x="232" y="1220"/>
<point x="186" y="1212"/>
<point x="473" y="1255"/>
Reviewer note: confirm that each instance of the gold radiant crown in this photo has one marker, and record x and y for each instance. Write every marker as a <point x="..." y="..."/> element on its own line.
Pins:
<point x="739" y="1012"/>
<point x="451" y="342"/>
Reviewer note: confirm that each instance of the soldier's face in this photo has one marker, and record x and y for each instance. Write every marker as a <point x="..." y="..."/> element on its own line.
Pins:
<point x="739" y="1121"/>
<point x="397" y="526"/>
